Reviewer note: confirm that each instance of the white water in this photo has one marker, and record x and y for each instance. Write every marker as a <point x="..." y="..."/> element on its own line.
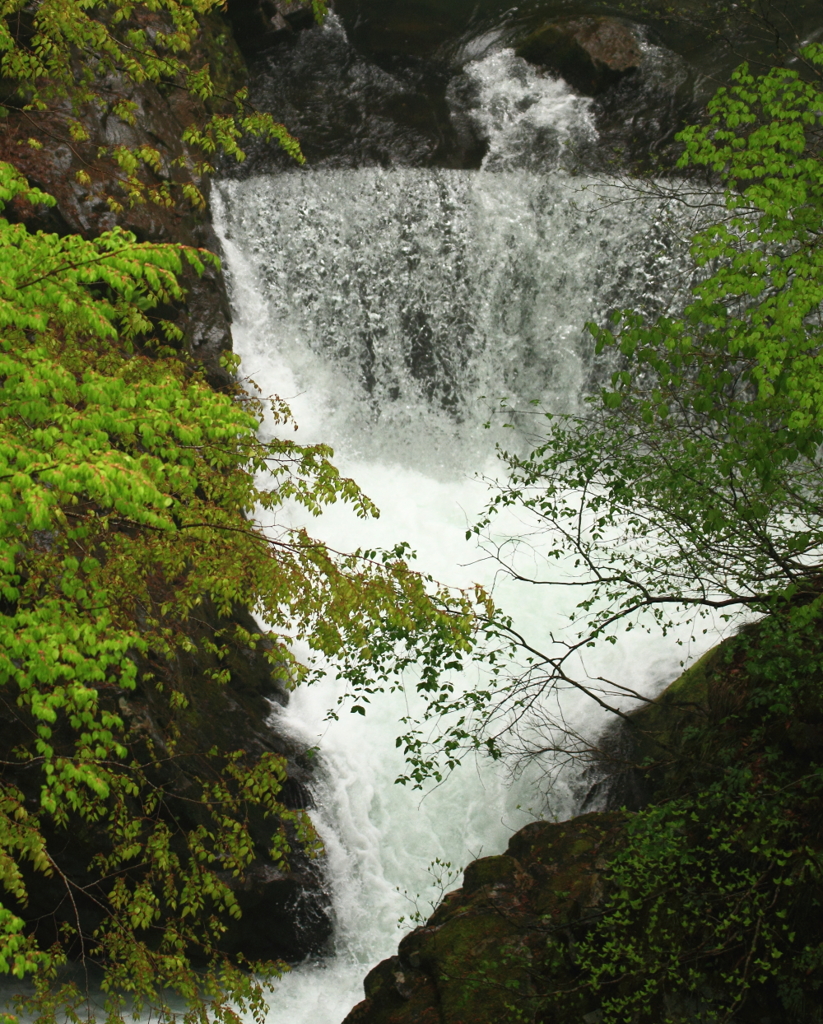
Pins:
<point x="393" y="309"/>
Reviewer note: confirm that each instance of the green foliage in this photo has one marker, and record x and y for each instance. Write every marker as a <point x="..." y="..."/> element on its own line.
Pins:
<point x="65" y="59"/>
<point x="757" y="310"/>
<point x="692" y="485"/>
<point x="713" y="900"/>
<point x="132" y="498"/>
<point x="48" y="278"/>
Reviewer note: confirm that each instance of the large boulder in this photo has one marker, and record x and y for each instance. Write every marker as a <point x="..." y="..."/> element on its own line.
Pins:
<point x="490" y="948"/>
<point x="590" y="53"/>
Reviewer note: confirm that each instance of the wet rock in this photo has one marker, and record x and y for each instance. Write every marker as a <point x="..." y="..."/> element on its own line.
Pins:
<point x="351" y="110"/>
<point x="591" y="54"/>
<point x="286" y="915"/>
<point x="258" y="25"/>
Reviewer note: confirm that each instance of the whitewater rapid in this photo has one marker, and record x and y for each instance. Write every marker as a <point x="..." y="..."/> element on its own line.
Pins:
<point x="393" y="309"/>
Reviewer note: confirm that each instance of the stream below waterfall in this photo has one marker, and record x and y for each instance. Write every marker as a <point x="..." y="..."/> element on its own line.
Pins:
<point x="393" y="302"/>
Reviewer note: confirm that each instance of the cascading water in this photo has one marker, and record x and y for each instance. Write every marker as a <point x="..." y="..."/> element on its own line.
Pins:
<point x="393" y="309"/>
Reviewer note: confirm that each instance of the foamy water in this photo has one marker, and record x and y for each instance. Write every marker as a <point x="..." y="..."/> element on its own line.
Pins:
<point x="394" y="309"/>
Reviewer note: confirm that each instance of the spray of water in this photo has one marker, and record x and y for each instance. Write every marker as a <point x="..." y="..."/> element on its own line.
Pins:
<point x="394" y="309"/>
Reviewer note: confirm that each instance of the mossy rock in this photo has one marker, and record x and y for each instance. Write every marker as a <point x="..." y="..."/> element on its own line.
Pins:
<point x="724" y="710"/>
<point x="501" y="870"/>
<point x="659" y="730"/>
<point x="488" y="950"/>
<point x="732" y="750"/>
<point x="670" y="744"/>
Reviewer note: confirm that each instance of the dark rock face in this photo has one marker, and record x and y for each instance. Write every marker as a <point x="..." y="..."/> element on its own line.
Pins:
<point x="356" y="109"/>
<point x="485" y="952"/>
<point x="260" y="24"/>
<point x="592" y="54"/>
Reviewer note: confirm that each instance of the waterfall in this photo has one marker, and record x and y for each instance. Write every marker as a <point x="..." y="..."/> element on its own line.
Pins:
<point x="393" y="309"/>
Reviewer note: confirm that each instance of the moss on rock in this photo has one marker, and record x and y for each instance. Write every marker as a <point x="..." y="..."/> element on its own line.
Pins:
<point x="702" y="906"/>
<point x="489" y="950"/>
